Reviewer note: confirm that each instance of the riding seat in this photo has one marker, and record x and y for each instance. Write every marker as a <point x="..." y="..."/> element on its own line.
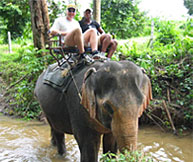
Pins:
<point x="58" y="50"/>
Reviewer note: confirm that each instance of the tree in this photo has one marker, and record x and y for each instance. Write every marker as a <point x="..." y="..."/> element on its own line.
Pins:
<point x="40" y="22"/>
<point x="97" y="10"/>
<point x="189" y="5"/>
<point x="122" y="17"/>
<point x="14" y="15"/>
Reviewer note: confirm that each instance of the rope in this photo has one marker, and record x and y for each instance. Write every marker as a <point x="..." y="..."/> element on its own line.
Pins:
<point x="79" y="94"/>
<point x="75" y="84"/>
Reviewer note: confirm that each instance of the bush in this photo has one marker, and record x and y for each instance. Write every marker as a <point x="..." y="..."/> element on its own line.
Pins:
<point x="166" y="32"/>
<point x="135" y="156"/>
<point x="188" y="27"/>
<point x="21" y="70"/>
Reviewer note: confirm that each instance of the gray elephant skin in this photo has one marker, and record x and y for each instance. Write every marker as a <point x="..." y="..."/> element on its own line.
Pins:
<point x="113" y="97"/>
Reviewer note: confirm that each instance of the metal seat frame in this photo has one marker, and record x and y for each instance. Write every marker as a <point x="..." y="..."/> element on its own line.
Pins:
<point x="57" y="49"/>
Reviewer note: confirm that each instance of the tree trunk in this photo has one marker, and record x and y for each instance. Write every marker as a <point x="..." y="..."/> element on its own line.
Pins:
<point x="97" y="10"/>
<point x="40" y="22"/>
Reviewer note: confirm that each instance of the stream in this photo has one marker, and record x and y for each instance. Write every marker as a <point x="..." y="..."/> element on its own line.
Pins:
<point x="29" y="141"/>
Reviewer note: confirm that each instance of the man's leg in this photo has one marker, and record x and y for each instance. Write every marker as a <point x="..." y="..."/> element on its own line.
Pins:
<point x="113" y="47"/>
<point x="105" y="41"/>
<point x="90" y="36"/>
<point x="75" y="38"/>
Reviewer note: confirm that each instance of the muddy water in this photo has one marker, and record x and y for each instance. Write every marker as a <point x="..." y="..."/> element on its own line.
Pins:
<point x="22" y="141"/>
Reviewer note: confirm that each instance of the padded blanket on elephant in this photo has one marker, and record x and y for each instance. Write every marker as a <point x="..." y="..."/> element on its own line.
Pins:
<point x="55" y="78"/>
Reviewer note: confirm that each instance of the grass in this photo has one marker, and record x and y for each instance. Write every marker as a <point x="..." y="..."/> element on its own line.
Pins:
<point x="139" y="40"/>
<point x="4" y="48"/>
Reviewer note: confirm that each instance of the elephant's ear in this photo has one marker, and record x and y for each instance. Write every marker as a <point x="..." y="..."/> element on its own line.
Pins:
<point x="89" y="101"/>
<point x="88" y="97"/>
<point x="147" y="92"/>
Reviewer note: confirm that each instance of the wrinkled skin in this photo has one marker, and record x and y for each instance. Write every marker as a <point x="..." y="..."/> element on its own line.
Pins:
<point x="114" y="95"/>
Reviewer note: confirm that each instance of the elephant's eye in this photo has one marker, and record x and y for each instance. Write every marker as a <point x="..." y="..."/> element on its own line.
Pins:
<point x="108" y="108"/>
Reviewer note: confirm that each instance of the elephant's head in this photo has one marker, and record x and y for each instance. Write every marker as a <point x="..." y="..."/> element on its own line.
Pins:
<point x="115" y="95"/>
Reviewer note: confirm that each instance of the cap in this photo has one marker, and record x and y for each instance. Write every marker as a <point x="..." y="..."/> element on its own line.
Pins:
<point x="88" y="9"/>
<point x="71" y="6"/>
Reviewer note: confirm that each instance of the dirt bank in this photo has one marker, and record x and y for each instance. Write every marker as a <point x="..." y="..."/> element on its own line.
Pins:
<point x="3" y="102"/>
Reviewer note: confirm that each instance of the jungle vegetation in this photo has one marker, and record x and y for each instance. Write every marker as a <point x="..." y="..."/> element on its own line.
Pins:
<point x="167" y="59"/>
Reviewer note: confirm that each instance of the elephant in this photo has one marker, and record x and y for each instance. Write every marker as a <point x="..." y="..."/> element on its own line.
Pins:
<point x="104" y="100"/>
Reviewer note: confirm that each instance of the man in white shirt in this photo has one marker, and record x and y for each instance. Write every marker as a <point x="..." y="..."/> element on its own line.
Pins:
<point x="71" y="32"/>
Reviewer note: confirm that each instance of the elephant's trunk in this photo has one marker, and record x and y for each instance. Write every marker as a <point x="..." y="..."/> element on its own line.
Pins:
<point x="125" y="130"/>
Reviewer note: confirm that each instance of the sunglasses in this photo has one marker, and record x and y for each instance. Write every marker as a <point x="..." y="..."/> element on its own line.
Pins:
<point x="71" y="10"/>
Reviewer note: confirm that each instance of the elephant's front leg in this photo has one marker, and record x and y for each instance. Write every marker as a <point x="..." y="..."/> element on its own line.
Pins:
<point x="109" y="143"/>
<point x="89" y="143"/>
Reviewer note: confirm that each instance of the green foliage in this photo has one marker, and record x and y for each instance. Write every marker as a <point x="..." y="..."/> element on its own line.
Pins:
<point x="21" y="70"/>
<point x="189" y="5"/>
<point x="135" y="156"/>
<point x="122" y="17"/>
<point x="13" y="17"/>
<point x="188" y="28"/>
<point x="167" y="32"/>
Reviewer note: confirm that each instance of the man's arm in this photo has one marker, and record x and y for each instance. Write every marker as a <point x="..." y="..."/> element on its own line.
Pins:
<point x="100" y="30"/>
<point x="57" y="32"/>
<point x="98" y="27"/>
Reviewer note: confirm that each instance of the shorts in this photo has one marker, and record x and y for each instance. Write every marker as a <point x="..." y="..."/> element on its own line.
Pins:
<point x="88" y="44"/>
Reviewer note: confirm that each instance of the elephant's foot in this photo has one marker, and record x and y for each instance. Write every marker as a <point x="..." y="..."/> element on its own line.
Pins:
<point x="61" y="149"/>
<point x="60" y="146"/>
<point x="58" y="140"/>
